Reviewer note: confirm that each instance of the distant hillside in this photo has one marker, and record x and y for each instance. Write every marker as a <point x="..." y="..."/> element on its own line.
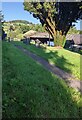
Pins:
<point x="15" y="29"/>
<point x="19" y="21"/>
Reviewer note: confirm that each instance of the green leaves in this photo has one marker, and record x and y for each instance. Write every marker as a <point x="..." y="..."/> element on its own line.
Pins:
<point x="1" y="16"/>
<point x="55" y="16"/>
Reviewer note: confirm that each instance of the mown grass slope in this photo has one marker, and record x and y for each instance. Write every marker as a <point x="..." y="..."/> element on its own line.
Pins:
<point x="0" y="79"/>
<point x="64" y="59"/>
<point x="31" y="91"/>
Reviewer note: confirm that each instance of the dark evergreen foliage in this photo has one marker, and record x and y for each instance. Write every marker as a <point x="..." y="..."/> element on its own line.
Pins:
<point x="56" y="17"/>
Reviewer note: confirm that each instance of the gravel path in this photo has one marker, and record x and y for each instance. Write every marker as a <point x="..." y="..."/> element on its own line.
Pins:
<point x="69" y="79"/>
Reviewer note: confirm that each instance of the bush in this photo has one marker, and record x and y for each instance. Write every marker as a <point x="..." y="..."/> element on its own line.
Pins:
<point x="19" y="36"/>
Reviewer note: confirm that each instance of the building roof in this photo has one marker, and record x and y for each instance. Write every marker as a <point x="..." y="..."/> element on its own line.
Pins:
<point x="34" y="34"/>
<point x="76" y="37"/>
<point x="29" y="33"/>
<point x="41" y="35"/>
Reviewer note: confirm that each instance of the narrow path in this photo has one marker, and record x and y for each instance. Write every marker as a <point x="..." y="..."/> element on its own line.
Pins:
<point x="69" y="79"/>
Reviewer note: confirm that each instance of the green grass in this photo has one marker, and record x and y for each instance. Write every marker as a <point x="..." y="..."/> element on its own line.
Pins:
<point x="0" y="63"/>
<point x="64" y="59"/>
<point x="0" y="79"/>
<point x="31" y="91"/>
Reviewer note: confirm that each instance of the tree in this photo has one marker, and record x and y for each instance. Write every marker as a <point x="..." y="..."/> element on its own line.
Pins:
<point x="19" y="37"/>
<point x="11" y="31"/>
<point x="39" y="28"/>
<point x="2" y="32"/>
<point x="73" y="30"/>
<point x="1" y="17"/>
<point x="0" y="25"/>
<point x="56" y="17"/>
<point x="24" y="28"/>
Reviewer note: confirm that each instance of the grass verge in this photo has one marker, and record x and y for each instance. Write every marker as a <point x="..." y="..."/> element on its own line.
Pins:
<point x="64" y="59"/>
<point x="31" y="91"/>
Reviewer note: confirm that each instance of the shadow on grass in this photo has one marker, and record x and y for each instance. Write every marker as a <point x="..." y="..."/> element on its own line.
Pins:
<point x="59" y="61"/>
<point x="32" y="91"/>
<point x="53" y="56"/>
<point x="77" y="51"/>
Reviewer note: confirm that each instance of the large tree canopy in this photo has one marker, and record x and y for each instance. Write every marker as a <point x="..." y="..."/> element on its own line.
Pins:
<point x="56" y="17"/>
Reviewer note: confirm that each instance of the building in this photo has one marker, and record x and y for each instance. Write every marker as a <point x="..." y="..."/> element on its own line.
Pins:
<point x="44" y="37"/>
<point x="77" y="38"/>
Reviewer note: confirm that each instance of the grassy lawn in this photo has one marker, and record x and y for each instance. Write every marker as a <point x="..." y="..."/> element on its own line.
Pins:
<point x="0" y="63"/>
<point x="31" y="91"/>
<point x="0" y="79"/>
<point x="64" y="59"/>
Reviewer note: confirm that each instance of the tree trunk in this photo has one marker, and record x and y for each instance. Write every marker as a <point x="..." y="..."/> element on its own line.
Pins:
<point x="59" y="39"/>
<point x="49" y="39"/>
